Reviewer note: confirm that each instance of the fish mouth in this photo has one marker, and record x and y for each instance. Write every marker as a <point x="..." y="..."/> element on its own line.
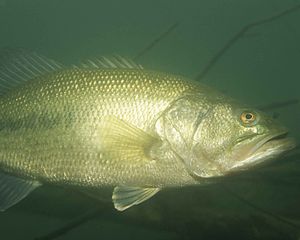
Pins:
<point x="265" y="149"/>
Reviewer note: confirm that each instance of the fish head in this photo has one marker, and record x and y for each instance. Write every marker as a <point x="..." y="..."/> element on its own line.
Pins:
<point x="234" y="138"/>
<point x="215" y="135"/>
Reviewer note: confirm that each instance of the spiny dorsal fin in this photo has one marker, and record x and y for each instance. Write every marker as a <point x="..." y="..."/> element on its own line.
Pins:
<point x="126" y="197"/>
<point x="18" y="66"/>
<point x="111" y="62"/>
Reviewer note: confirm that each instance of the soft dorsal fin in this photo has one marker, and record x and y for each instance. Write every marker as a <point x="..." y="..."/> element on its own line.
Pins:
<point x="111" y="62"/>
<point x="18" y="66"/>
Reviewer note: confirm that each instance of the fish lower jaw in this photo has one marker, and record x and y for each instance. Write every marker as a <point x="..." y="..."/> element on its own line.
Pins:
<point x="209" y="172"/>
<point x="269" y="150"/>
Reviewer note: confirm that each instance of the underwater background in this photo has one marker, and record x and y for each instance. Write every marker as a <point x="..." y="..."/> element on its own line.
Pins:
<point x="260" y="67"/>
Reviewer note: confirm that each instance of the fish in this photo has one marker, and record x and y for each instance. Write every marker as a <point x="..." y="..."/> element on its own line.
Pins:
<point x="109" y="122"/>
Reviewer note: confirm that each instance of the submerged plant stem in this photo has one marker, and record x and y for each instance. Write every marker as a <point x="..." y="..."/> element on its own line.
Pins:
<point x="156" y="41"/>
<point x="259" y="209"/>
<point x="276" y="105"/>
<point x="240" y="34"/>
<point x="71" y="225"/>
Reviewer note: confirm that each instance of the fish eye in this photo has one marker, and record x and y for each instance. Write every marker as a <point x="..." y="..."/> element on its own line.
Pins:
<point x="248" y="118"/>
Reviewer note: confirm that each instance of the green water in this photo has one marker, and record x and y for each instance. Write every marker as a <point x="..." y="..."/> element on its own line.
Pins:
<point x="260" y="68"/>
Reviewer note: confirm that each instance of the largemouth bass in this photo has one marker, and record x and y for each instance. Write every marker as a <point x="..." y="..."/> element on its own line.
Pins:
<point x="112" y="123"/>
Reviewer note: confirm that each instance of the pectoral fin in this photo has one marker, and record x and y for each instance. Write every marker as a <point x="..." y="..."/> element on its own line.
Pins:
<point x="124" y="141"/>
<point x="13" y="190"/>
<point x="126" y="197"/>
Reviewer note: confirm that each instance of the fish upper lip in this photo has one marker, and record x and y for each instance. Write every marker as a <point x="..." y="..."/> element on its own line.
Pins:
<point x="271" y="137"/>
<point x="280" y="135"/>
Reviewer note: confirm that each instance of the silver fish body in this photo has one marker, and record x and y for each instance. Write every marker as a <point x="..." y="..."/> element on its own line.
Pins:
<point x="136" y="130"/>
<point x="51" y="128"/>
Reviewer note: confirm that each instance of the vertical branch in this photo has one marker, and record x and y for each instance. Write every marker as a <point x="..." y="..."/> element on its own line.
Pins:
<point x="240" y="34"/>
<point x="156" y="41"/>
<point x="259" y="209"/>
<point x="71" y="225"/>
<point x="276" y="105"/>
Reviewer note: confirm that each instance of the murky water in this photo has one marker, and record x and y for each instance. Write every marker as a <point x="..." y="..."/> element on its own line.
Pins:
<point x="261" y="67"/>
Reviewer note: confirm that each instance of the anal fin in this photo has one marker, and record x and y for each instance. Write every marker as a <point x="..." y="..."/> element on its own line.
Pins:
<point x="14" y="189"/>
<point x="126" y="197"/>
